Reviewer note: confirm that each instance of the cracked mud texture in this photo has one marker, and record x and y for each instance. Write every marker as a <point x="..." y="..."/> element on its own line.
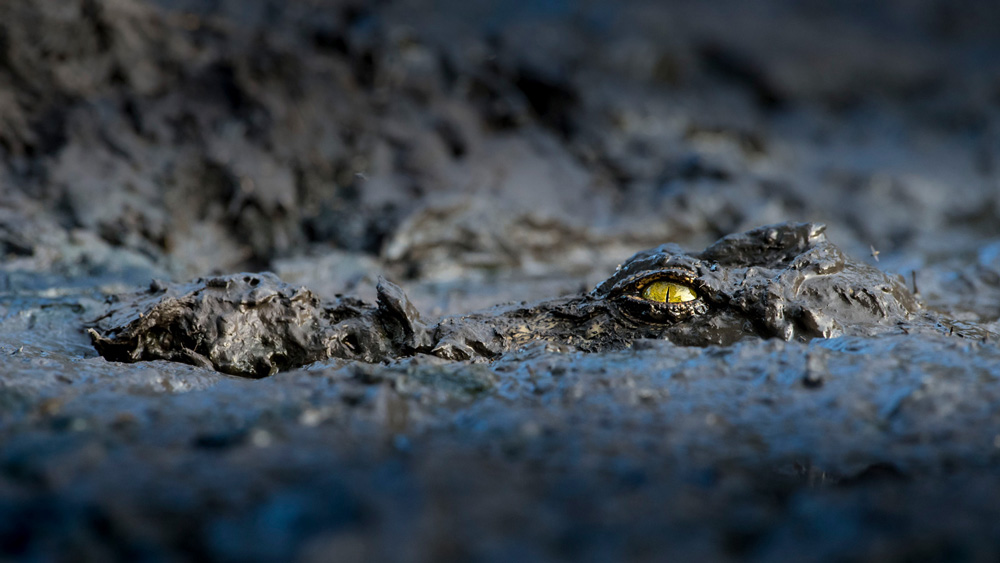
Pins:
<point x="482" y="153"/>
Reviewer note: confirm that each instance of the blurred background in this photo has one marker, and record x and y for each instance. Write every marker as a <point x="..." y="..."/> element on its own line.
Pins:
<point x="484" y="150"/>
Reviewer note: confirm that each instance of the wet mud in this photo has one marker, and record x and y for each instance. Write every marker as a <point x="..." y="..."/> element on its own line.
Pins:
<point x="616" y="327"/>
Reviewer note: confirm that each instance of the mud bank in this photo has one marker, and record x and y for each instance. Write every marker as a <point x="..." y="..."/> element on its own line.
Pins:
<point x="481" y="153"/>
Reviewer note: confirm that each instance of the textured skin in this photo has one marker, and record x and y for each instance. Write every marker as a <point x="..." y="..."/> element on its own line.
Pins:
<point x="784" y="281"/>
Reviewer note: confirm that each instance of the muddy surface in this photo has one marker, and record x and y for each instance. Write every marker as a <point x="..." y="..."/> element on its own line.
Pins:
<point x="526" y="391"/>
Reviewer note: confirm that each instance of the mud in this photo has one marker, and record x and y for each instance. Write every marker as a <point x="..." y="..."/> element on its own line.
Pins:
<point x="823" y="396"/>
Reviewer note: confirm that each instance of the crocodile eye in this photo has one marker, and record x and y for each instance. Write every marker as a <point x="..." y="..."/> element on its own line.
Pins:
<point x="662" y="297"/>
<point x="664" y="291"/>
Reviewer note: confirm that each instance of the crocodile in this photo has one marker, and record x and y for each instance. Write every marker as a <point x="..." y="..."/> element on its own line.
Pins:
<point x="779" y="281"/>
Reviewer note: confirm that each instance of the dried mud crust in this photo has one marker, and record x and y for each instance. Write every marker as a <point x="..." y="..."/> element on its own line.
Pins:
<point x="785" y="281"/>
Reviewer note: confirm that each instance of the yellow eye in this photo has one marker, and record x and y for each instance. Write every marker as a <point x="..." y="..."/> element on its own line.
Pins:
<point x="668" y="292"/>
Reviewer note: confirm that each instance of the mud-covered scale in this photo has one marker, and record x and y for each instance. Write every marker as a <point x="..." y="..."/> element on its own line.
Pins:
<point x="783" y="281"/>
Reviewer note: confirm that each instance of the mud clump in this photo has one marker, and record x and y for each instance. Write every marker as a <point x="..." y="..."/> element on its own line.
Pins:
<point x="255" y="325"/>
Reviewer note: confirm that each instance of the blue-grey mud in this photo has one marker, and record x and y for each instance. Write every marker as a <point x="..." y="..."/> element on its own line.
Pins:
<point x="498" y="160"/>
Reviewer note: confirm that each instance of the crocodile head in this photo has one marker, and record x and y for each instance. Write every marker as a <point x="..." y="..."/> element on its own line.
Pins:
<point x="783" y="281"/>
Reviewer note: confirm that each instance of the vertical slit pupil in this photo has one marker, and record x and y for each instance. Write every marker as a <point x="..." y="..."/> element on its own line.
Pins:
<point x="668" y="292"/>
